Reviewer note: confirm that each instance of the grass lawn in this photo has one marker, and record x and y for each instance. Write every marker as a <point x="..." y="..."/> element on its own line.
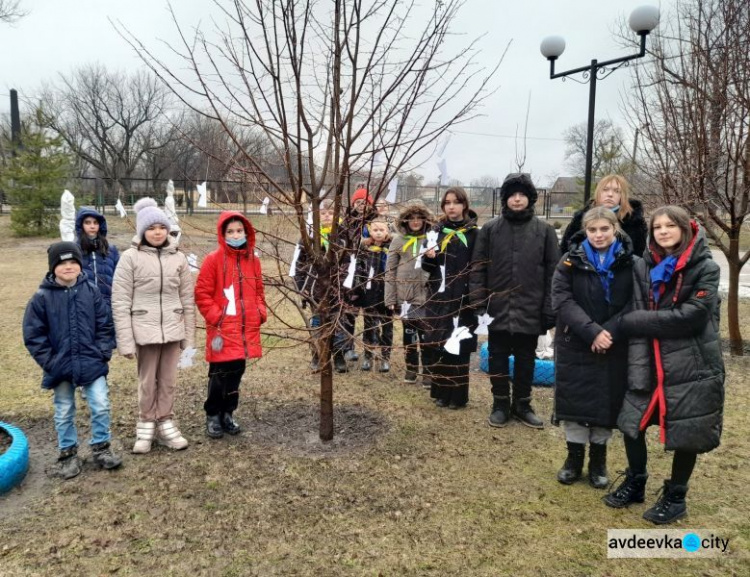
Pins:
<point x="404" y="489"/>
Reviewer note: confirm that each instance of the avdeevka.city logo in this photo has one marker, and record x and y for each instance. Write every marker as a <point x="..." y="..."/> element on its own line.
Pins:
<point x="665" y="543"/>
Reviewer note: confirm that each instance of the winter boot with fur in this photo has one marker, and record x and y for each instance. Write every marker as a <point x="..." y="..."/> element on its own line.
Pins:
<point x="500" y="412"/>
<point x="214" y="429"/>
<point x="631" y="490"/>
<point x="598" y="466"/>
<point x="230" y="426"/>
<point x="522" y="411"/>
<point x="169" y="435"/>
<point x="573" y="467"/>
<point x="104" y="457"/>
<point x="70" y="464"/>
<point x="145" y="433"/>
<point x="670" y="506"/>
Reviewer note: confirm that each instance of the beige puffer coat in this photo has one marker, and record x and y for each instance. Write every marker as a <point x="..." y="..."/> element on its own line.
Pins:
<point x="152" y="298"/>
<point x="404" y="282"/>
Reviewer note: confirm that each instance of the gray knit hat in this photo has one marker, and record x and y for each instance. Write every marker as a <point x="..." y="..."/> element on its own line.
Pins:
<point x="147" y="214"/>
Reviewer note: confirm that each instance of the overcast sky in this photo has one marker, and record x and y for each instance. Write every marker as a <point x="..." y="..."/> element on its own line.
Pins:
<point x="59" y="35"/>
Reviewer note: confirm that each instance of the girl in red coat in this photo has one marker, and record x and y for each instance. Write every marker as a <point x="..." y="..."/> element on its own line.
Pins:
<point x="229" y="294"/>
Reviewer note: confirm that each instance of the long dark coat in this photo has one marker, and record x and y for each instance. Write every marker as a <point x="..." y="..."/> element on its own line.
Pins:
<point x="442" y="307"/>
<point x="589" y="387"/>
<point x="634" y="226"/>
<point x="99" y="267"/>
<point x="675" y="352"/>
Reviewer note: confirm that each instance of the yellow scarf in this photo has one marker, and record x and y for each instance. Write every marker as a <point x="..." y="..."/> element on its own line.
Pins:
<point x="450" y="233"/>
<point x="413" y="242"/>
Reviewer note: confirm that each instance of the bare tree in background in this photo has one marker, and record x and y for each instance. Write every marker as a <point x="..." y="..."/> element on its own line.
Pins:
<point x="338" y="88"/>
<point x="110" y="120"/>
<point x="609" y="154"/>
<point x="11" y="11"/>
<point x="693" y="107"/>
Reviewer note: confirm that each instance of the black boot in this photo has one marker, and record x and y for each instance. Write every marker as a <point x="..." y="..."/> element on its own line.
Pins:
<point x="104" y="457"/>
<point x="229" y="425"/>
<point x="598" y="466"/>
<point x="522" y="411"/>
<point x="573" y="467"/>
<point x="213" y="427"/>
<point x="339" y="362"/>
<point x="631" y="490"/>
<point x="70" y="464"/>
<point x="410" y="375"/>
<point x="366" y="362"/>
<point x="385" y="365"/>
<point x="500" y="412"/>
<point x="670" y="506"/>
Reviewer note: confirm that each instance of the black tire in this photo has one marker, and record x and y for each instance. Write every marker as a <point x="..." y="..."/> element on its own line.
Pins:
<point x="14" y="463"/>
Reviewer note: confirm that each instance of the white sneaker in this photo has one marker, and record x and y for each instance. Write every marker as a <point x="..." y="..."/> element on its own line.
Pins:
<point x="145" y="432"/>
<point x="169" y="435"/>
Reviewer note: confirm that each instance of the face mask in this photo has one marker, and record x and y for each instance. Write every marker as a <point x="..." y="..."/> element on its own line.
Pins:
<point x="236" y="242"/>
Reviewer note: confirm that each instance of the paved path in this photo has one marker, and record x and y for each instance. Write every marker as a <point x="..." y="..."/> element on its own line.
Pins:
<point x="724" y="283"/>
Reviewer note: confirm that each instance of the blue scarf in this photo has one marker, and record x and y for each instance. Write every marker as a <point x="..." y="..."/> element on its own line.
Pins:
<point x="661" y="274"/>
<point x="603" y="267"/>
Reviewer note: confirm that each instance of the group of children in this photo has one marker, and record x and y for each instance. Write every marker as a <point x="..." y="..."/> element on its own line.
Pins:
<point x="636" y="338"/>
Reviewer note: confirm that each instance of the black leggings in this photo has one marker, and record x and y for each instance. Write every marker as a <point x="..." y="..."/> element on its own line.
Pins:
<point x="683" y="462"/>
<point x="223" y="387"/>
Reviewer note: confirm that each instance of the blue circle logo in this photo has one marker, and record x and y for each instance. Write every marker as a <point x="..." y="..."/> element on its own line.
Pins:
<point x="691" y="542"/>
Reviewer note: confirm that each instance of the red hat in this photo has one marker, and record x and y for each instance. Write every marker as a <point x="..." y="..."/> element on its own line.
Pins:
<point x="361" y="194"/>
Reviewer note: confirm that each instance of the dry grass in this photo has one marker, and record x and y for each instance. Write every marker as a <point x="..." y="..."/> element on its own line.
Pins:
<point x="409" y="489"/>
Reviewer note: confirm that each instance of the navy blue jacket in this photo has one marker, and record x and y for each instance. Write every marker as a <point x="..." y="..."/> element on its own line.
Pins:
<point x="69" y="332"/>
<point x="99" y="267"/>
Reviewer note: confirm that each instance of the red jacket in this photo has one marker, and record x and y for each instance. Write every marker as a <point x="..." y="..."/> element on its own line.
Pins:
<point x="223" y="268"/>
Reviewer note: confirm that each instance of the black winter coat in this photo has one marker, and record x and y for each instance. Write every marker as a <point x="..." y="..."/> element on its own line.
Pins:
<point x="634" y="226"/>
<point x="69" y="332"/>
<point x="442" y="307"/>
<point x="371" y="288"/>
<point x="589" y="387"/>
<point x="517" y="257"/>
<point x="675" y="349"/>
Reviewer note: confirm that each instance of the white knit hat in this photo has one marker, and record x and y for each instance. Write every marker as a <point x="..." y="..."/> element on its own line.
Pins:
<point x="147" y="214"/>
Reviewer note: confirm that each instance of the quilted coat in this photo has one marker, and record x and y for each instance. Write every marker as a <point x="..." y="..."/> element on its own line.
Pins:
<point x="99" y="267"/>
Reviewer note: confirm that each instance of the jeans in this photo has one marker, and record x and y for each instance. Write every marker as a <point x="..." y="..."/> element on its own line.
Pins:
<point x="97" y="397"/>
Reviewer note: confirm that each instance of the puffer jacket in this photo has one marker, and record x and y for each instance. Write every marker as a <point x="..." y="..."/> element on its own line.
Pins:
<point x="152" y="298"/>
<point x="370" y="274"/>
<point x="675" y="367"/>
<point x="453" y="300"/>
<point x="239" y="269"/>
<point x="634" y="225"/>
<point x="512" y="268"/>
<point x="589" y="387"/>
<point x="69" y="332"/>
<point x="403" y="281"/>
<point x="99" y="267"/>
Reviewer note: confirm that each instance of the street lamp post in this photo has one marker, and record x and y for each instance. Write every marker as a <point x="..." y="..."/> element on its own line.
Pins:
<point x="642" y="21"/>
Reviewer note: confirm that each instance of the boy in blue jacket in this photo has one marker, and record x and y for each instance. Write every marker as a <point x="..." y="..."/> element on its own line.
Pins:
<point x="68" y="330"/>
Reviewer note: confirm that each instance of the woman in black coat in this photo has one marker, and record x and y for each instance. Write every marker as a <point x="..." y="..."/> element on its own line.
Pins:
<point x="449" y="266"/>
<point x="592" y="285"/>
<point x="612" y="192"/>
<point x="676" y="371"/>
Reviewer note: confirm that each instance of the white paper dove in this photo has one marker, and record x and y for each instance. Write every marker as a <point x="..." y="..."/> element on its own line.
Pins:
<point x="295" y="258"/>
<point x="121" y="209"/>
<point x="232" y="305"/>
<point x="442" y="281"/>
<point x="432" y="240"/>
<point x="453" y="344"/>
<point x="405" y="306"/>
<point x="186" y="358"/>
<point x="202" y="195"/>
<point x="193" y="262"/>
<point x="349" y="281"/>
<point x="370" y="276"/>
<point x="264" y="206"/>
<point x="68" y="220"/>
<point x="484" y="323"/>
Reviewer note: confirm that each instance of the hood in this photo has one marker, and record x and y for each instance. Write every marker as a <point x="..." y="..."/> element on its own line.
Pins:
<point x="249" y="230"/>
<point x="518" y="182"/>
<point x="49" y="281"/>
<point x="86" y="211"/>
<point x="696" y="251"/>
<point x="637" y="207"/>
<point x="414" y="209"/>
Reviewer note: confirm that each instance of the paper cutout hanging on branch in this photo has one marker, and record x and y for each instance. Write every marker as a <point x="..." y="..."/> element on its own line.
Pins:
<point x="460" y="333"/>
<point x="405" y="306"/>
<point x="442" y="281"/>
<point x="349" y="281"/>
<point x="202" y="195"/>
<point x="370" y="276"/>
<point x="264" y="206"/>
<point x="68" y="214"/>
<point x="443" y="168"/>
<point x="484" y="322"/>
<point x="121" y="209"/>
<point x="186" y="358"/>
<point x="432" y="240"/>
<point x="169" y="205"/>
<point x="295" y="258"/>
<point x="392" y="190"/>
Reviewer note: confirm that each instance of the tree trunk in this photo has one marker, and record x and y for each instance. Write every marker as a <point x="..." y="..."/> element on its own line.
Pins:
<point x="733" y="310"/>
<point x="326" y="379"/>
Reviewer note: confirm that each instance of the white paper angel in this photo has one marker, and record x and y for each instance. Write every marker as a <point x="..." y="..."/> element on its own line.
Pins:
<point x="460" y="333"/>
<point x="202" y="195"/>
<point x="432" y="240"/>
<point x="405" y="306"/>
<point x="370" y="276"/>
<point x="169" y="205"/>
<point x="264" y="206"/>
<point x="68" y="220"/>
<point x="442" y="279"/>
<point x="193" y="262"/>
<point x="231" y="305"/>
<point x="121" y="209"/>
<point x="484" y="323"/>
<point x="349" y="281"/>
<point x="186" y="358"/>
<point x="295" y="258"/>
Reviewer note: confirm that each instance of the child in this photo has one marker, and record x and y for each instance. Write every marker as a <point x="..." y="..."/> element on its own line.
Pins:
<point x="99" y="257"/>
<point x="514" y="260"/>
<point x="592" y="284"/>
<point x="676" y="371"/>
<point x="229" y="294"/>
<point x="370" y="280"/>
<point x="448" y="268"/>
<point x="405" y="283"/>
<point x="68" y="330"/>
<point x="154" y="313"/>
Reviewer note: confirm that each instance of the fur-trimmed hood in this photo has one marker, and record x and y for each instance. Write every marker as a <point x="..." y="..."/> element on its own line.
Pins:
<point x="413" y="208"/>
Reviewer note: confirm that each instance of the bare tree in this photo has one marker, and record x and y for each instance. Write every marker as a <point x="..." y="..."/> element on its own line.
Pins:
<point x="338" y="88"/>
<point x="110" y="120"/>
<point x="11" y="11"/>
<point x="609" y="154"/>
<point x="693" y="108"/>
